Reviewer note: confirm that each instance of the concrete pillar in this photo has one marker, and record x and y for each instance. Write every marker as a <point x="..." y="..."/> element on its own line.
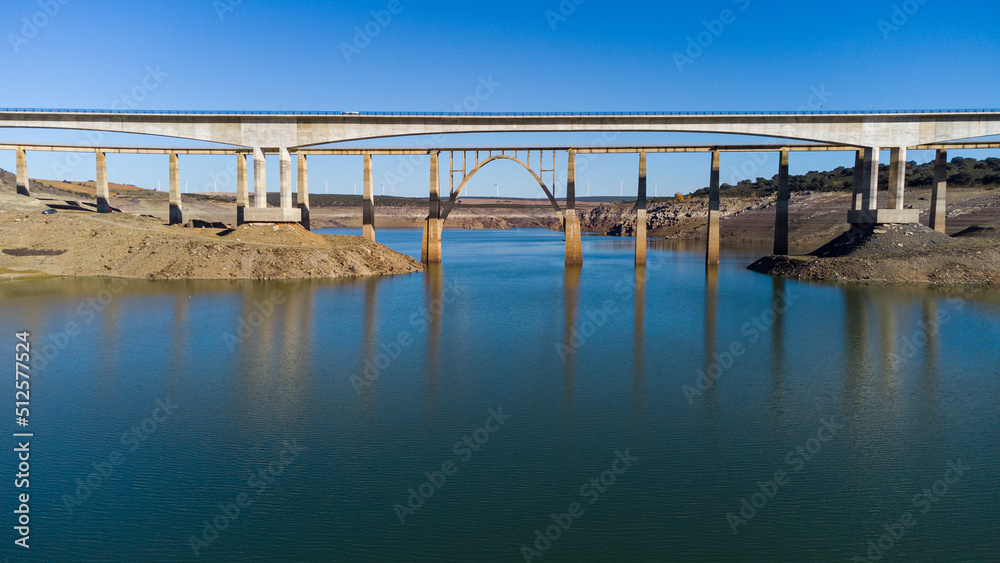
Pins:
<point x="242" y="190"/>
<point x="176" y="211"/>
<point x="103" y="194"/>
<point x="781" y="212"/>
<point x="23" y="184"/>
<point x="897" y="177"/>
<point x="574" y="244"/>
<point x="259" y="179"/>
<point x="640" y="214"/>
<point x="857" y="202"/>
<point x="869" y="180"/>
<point x="302" y="189"/>
<point x="712" y="255"/>
<point x="939" y="193"/>
<point x="431" y="250"/>
<point x="285" y="172"/>
<point x="368" y="203"/>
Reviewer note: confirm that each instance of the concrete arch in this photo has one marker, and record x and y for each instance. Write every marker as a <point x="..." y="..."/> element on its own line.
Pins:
<point x="465" y="181"/>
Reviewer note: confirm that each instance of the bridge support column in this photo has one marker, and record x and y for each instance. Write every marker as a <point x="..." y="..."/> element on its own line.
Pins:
<point x="781" y="213"/>
<point x="574" y="244"/>
<point x="302" y="190"/>
<point x="640" y="214"/>
<point x="242" y="190"/>
<point x="858" y="200"/>
<point x="368" y="203"/>
<point x="712" y="254"/>
<point x="897" y="178"/>
<point x="23" y="184"/>
<point x="103" y="194"/>
<point x="176" y="211"/>
<point x="285" y="172"/>
<point x="431" y="250"/>
<point x="939" y="194"/>
<point x="869" y="180"/>
<point x="259" y="179"/>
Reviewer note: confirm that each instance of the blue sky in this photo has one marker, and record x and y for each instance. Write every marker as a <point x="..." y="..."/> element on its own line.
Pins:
<point x="575" y="55"/>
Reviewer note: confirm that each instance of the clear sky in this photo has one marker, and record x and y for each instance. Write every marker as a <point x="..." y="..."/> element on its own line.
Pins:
<point x="574" y="55"/>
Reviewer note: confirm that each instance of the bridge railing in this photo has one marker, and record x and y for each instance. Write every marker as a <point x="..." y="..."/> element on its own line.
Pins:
<point x="495" y="114"/>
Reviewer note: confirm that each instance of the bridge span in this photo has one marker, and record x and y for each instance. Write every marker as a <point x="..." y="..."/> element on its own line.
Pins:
<point x="256" y="134"/>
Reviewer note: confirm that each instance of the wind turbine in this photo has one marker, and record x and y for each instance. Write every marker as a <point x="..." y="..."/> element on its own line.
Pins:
<point x="621" y="188"/>
<point x="588" y="189"/>
<point x="656" y="189"/>
<point x="498" y="190"/>
<point x="383" y="189"/>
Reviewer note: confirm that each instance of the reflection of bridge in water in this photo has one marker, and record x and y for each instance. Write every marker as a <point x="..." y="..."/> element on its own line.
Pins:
<point x="257" y="134"/>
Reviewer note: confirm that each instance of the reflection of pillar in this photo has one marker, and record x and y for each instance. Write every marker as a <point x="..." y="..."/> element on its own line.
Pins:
<point x="869" y="180"/>
<point x="368" y="205"/>
<point x="639" y="328"/>
<point x="571" y="298"/>
<point x="430" y="252"/>
<point x="856" y="344"/>
<point x="712" y="256"/>
<point x="302" y="190"/>
<point x="259" y="179"/>
<point x="780" y="305"/>
<point x="897" y="177"/>
<point x="176" y="212"/>
<point x="711" y="320"/>
<point x="574" y="245"/>
<point x="285" y="172"/>
<point x="939" y="195"/>
<point x="434" y="303"/>
<point x="242" y="190"/>
<point x="368" y="343"/>
<point x="23" y="185"/>
<point x="781" y="213"/>
<point x="888" y="336"/>
<point x="640" y="214"/>
<point x="103" y="194"/>
<point x="857" y="202"/>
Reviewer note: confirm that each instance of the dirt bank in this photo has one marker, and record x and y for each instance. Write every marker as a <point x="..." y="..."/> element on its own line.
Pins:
<point x="897" y="254"/>
<point x="79" y="242"/>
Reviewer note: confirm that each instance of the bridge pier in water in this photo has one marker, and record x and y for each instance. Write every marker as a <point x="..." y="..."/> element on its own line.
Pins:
<point x="23" y="187"/>
<point x="712" y="254"/>
<point x="430" y="252"/>
<point x="781" y="208"/>
<point x="176" y="211"/>
<point x="640" y="214"/>
<point x="574" y="244"/>
<point x="368" y="202"/>
<point x="103" y="194"/>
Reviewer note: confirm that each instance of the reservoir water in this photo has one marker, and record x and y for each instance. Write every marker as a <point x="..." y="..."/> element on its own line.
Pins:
<point x="503" y="407"/>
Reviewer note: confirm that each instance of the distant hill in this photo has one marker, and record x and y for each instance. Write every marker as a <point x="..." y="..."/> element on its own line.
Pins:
<point x="961" y="172"/>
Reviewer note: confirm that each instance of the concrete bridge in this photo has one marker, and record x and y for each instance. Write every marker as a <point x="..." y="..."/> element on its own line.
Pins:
<point x="301" y="133"/>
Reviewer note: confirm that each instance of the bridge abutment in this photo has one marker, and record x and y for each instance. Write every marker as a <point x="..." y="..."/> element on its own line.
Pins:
<point x="23" y="184"/>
